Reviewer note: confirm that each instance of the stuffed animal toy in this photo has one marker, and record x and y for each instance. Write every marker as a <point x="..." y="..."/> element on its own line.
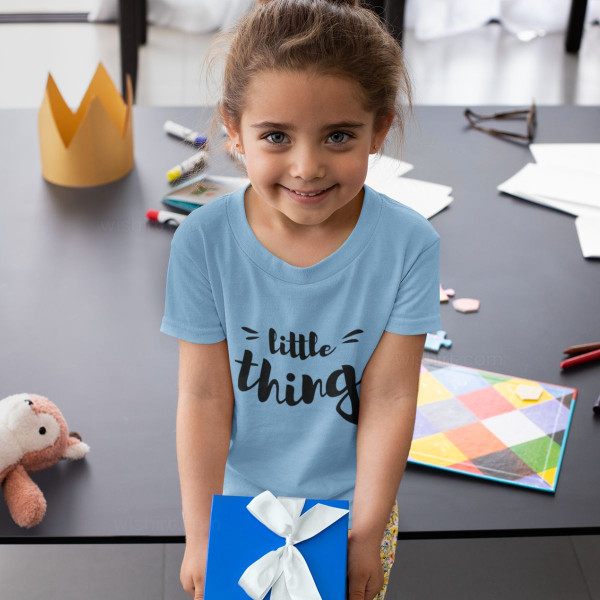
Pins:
<point x="33" y="436"/>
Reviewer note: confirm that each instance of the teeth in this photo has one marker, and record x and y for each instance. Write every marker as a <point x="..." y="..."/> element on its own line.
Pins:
<point x="313" y="194"/>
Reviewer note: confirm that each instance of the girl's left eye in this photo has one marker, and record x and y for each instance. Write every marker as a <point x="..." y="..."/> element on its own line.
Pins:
<point x="274" y="133"/>
<point x="342" y="133"/>
<point x="278" y="141"/>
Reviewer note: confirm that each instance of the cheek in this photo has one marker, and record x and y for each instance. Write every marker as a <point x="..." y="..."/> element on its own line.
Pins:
<point x="355" y="167"/>
<point x="262" y="167"/>
<point x="258" y="171"/>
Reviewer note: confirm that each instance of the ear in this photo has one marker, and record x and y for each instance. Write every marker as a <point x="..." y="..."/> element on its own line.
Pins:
<point x="233" y="130"/>
<point x="75" y="449"/>
<point x="381" y="131"/>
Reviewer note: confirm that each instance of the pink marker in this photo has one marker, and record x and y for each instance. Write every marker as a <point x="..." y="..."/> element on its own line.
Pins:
<point x="164" y="216"/>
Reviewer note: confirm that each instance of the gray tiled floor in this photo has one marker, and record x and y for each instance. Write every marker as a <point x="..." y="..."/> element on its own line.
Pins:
<point x="487" y="66"/>
<point x="549" y="568"/>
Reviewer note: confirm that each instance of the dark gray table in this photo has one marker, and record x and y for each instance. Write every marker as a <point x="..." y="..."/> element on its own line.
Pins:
<point x="82" y="278"/>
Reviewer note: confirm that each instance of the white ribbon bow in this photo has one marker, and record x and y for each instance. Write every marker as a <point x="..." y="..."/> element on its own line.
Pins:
<point x="284" y="571"/>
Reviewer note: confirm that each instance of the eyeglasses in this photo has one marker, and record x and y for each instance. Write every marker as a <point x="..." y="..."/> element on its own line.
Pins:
<point x="530" y="115"/>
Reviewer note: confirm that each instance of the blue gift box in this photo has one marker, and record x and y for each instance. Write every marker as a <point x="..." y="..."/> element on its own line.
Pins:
<point x="237" y="539"/>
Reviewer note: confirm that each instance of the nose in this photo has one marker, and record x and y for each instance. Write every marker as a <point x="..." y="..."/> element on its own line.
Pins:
<point x="307" y="163"/>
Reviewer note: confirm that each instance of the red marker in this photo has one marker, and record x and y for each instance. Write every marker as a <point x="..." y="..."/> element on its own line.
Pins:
<point x="164" y="216"/>
<point x="579" y="359"/>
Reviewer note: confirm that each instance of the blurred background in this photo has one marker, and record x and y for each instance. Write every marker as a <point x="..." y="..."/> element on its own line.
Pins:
<point x="459" y="52"/>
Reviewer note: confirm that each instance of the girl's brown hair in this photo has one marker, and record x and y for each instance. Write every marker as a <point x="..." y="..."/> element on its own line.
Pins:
<point x="322" y="37"/>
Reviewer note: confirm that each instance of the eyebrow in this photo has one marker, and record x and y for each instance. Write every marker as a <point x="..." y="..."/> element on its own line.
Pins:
<point x="271" y="125"/>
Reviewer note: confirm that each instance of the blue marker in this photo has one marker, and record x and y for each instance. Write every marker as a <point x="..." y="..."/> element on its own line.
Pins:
<point x="184" y="133"/>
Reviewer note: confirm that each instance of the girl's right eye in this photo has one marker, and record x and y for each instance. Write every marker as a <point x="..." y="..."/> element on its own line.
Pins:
<point x="274" y="133"/>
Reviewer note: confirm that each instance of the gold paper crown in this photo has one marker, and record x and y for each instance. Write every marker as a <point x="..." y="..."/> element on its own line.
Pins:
<point x="92" y="146"/>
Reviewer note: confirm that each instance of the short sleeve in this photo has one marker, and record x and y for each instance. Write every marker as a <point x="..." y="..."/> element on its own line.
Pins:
<point x="417" y="305"/>
<point x="190" y="310"/>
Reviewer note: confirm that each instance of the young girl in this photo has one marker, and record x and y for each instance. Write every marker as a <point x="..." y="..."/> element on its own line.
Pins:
<point x="304" y="290"/>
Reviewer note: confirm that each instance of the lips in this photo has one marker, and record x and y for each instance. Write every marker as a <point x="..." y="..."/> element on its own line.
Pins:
<point x="309" y="191"/>
<point x="301" y="198"/>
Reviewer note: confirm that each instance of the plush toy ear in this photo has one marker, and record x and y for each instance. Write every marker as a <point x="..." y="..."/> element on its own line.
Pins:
<point x="75" y="448"/>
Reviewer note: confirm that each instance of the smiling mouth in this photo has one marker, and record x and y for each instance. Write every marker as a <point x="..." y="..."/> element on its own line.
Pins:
<point x="310" y="193"/>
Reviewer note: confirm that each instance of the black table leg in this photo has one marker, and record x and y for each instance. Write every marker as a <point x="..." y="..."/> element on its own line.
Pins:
<point x="142" y="24"/>
<point x="575" y="26"/>
<point x="394" y="14"/>
<point x="391" y="13"/>
<point x="129" y="43"/>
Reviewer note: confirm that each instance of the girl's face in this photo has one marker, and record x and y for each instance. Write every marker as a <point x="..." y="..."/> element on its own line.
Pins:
<point x="305" y="133"/>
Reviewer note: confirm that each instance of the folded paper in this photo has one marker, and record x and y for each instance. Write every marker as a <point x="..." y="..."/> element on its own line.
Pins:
<point x="284" y="571"/>
<point x="427" y="198"/>
<point x="93" y="146"/>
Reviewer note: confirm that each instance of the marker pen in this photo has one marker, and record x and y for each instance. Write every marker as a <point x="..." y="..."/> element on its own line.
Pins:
<point x="198" y="161"/>
<point x="573" y="350"/>
<point x="580" y="359"/>
<point x="164" y="216"/>
<point x="184" y="133"/>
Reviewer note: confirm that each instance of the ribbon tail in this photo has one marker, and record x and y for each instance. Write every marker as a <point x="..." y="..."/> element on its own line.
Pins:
<point x="299" y="581"/>
<point x="260" y="576"/>
<point x="279" y="590"/>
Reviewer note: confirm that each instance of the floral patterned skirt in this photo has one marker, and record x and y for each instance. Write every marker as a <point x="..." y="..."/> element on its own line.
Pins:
<point x="388" y="549"/>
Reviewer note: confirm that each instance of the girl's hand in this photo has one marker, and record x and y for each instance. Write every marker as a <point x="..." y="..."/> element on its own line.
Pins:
<point x="365" y="571"/>
<point x="193" y="568"/>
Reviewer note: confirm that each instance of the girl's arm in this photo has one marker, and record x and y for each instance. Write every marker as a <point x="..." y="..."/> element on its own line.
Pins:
<point x="204" y="415"/>
<point x="388" y="398"/>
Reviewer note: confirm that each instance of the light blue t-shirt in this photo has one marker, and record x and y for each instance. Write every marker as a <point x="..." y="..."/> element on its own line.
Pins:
<point x="299" y="337"/>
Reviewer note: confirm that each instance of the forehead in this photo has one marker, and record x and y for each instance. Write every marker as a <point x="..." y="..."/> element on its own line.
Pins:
<point x="303" y="100"/>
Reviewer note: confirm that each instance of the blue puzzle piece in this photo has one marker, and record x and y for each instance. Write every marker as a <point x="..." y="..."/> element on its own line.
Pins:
<point x="435" y="340"/>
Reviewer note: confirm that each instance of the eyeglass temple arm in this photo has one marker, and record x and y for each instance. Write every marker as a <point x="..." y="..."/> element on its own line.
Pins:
<point x="497" y="132"/>
<point x="504" y="115"/>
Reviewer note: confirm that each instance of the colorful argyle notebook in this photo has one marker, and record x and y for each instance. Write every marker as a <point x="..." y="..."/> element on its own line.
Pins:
<point x="473" y="422"/>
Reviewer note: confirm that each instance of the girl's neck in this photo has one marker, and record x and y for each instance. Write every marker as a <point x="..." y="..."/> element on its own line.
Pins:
<point x="301" y="245"/>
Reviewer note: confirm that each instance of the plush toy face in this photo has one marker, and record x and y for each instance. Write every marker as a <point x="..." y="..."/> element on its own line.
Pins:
<point x="34" y="433"/>
<point x="32" y="430"/>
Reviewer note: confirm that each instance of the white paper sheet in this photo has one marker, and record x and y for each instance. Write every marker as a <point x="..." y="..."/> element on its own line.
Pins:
<point x="557" y="183"/>
<point x="572" y="208"/>
<point x="382" y="168"/>
<point x="583" y="157"/>
<point x="588" y="230"/>
<point x="426" y="198"/>
<point x="566" y="177"/>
